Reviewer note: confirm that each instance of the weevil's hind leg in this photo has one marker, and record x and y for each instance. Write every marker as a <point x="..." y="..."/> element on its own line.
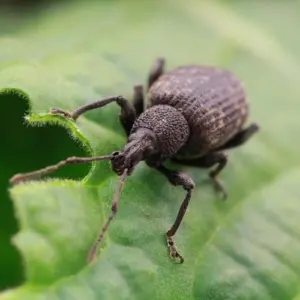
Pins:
<point x="219" y="157"/>
<point x="156" y="71"/>
<point x="221" y="160"/>
<point x="184" y="180"/>
<point x="215" y="158"/>
<point x="138" y="99"/>
<point x="127" y="115"/>
<point x="241" y="137"/>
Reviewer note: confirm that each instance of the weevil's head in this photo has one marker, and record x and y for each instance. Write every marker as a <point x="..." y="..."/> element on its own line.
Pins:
<point x="158" y="134"/>
<point x="141" y="144"/>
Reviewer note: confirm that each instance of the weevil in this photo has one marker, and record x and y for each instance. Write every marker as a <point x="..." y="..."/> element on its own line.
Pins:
<point x="194" y="113"/>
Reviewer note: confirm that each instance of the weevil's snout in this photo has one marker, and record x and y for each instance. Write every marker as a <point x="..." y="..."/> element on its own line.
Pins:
<point x="127" y="158"/>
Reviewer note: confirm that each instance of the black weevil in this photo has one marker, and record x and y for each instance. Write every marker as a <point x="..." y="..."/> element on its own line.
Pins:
<point x="193" y="114"/>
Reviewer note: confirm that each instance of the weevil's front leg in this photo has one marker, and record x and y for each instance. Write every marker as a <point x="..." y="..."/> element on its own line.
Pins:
<point x="114" y="210"/>
<point x="127" y="115"/>
<point x="138" y="99"/>
<point x="69" y="161"/>
<point x="184" y="180"/>
<point x="156" y="71"/>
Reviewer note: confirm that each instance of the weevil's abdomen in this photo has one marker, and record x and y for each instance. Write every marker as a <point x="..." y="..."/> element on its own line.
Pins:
<point x="211" y="99"/>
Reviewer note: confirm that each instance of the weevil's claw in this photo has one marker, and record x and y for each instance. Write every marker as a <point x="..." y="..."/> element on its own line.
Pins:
<point x="15" y="179"/>
<point x="219" y="187"/>
<point x="20" y="177"/>
<point x="177" y="255"/>
<point x="173" y="250"/>
<point x="57" y="111"/>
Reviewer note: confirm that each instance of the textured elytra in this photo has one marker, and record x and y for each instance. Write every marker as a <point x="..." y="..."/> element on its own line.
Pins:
<point x="168" y="124"/>
<point x="212" y="100"/>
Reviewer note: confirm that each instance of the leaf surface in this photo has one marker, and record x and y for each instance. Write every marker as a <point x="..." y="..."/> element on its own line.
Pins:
<point x="245" y="248"/>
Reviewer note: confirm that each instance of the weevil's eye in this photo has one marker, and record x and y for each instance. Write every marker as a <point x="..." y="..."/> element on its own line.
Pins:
<point x="115" y="153"/>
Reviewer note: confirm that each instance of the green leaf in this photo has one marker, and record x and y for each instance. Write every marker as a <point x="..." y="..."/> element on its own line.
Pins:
<point x="245" y="248"/>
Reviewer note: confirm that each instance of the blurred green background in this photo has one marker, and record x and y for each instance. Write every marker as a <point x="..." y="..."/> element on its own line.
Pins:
<point x="25" y="148"/>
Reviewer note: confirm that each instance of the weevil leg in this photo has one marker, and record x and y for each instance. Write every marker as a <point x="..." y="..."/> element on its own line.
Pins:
<point x="127" y="115"/>
<point x="114" y="210"/>
<point x="138" y="99"/>
<point x="178" y="179"/>
<point x="208" y="161"/>
<point x="221" y="160"/>
<point x="156" y="71"/>
<point x="68" y="161"/>
<point x="240" y="138"/>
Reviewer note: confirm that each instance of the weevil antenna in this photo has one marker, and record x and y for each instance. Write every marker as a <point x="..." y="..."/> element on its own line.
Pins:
<point x="114" y="209"/>
<point x="69" y="161"/>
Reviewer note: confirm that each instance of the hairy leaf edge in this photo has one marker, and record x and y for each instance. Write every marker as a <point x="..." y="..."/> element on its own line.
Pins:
<point x="42" y="119"/>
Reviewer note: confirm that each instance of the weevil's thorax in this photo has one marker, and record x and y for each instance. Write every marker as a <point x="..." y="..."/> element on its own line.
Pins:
<point x="169" y="127"/>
